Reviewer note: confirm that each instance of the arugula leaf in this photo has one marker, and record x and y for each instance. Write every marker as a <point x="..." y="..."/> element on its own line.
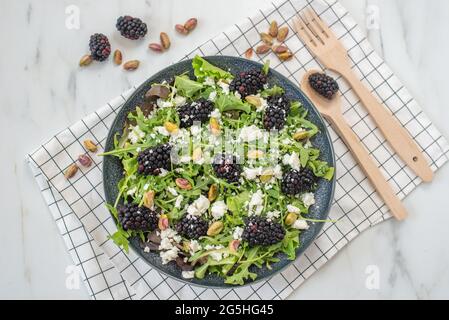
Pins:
<point x="235" y="203"/>
<point x="303" y="156"/>
<point x="273" y="91"/>
<point x="242" y="272"/>
<point x="266" y="67"/>
<point x="231" y="102"/>
<point x="203" y="69"/>
<point x="187" y="87"/>
<point x="321" y="169"/>
<point x="120" y="238"/>
<point x="290" y="243"/>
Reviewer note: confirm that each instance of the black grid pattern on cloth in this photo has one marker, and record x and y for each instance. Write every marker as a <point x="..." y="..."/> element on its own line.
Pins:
<point x="356" y="205"/>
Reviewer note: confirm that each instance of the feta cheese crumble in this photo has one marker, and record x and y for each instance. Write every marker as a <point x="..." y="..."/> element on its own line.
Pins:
<point x="199" y="206"/>
<point x="188" y="274"/>
<point x="292" y="160"/>
<point x="237" y="234"/>
<point x="300" y="225"/>
<point x="218" y="209"/>
<point x="255" y="205"/>
<point x="308" y="199"/>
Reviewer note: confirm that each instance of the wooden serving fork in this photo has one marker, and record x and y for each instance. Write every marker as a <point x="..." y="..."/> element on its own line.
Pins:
<point x="323" y="43"/>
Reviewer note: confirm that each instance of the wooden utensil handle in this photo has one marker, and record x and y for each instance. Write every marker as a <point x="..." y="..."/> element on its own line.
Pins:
<point x="394" y="133"/>
<point x="369" y="167"/>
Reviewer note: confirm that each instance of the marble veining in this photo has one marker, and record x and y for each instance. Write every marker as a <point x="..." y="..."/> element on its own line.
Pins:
<point x="43" y="91"/>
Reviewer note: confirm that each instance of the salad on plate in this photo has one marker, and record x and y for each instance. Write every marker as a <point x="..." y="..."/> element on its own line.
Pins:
<point x="219" y="173"/>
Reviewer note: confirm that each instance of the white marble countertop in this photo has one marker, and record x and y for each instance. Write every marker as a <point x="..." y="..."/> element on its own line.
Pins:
<point x="43" y="91"/>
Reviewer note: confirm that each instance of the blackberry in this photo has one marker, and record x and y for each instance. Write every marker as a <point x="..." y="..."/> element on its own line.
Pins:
<point x="259" y="231"/>
<point x="323" y="84"/>
<point x="226" y="167"/>
<point x="131" y="28"/>
<point x="192" y="227"/>
<point x="248" y="83"/>
<point x="99" y="46"/>
<point x="133" y="217"/>
<point x="274" y="118"/>
<point x="295" y="182"/>
<point x="280" y="101"/>
<point x="199" y="111"/>
<point x="152" y="160"/>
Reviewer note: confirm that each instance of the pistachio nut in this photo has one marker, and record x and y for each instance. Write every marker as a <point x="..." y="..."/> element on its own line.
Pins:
<point x="291" y="218"/>
<point x="255" y="154"/>
<point x="212" y="194"/>
<point x="117" y="57"/>
<point x="249" y="53"/>
<point x="71" y="171"/>
<point x="85" y="160"/>
<point x="273" y="31"/>
<point x="165" y="40"/>
<point x="148" y="199"/>
<point x="234" y="245"/>
<point x="156" y="47"/>
<point x="301" y="135"/>
<point x="215" y="228"/>
<point x="191" y="24"/>
<point x="90" y="145"/>
<point x="131" y="65"/>
<point x="254" y="101"/>
<point x="85" y="60"/>
<point x="163" y="222"/>
<point x="266" y="38"/>
<point x="183" y="184"/>
<point x="181" y="29"/>
<point x="282" y="34"/>
<point x="171" y="127"/>
<point x="263" y="49"/>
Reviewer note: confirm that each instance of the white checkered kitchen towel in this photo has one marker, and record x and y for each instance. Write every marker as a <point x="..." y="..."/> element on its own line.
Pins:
<point x="78" y="205"/>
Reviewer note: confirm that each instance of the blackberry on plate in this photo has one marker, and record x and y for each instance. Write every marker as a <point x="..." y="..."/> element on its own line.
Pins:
<point x="226" y="167"/>
<point x="197" y="111"/>
<point x="295" y="182"/>
<point x="259" y="231"/>
<point x="152" y="160"/>
<point x="133" y="217"/>
<point x="99" y="46"/>
<point x="274" y="118"/>
<point x="323" y="84"/>
<point x="192" y="227"/>
<point x="280" y="101"/>
<point x="248" y="82"/>
<point x="131" y="28"/>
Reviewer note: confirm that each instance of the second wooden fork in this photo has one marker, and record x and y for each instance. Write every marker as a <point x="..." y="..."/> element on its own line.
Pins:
<point x="323" y="43"/>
